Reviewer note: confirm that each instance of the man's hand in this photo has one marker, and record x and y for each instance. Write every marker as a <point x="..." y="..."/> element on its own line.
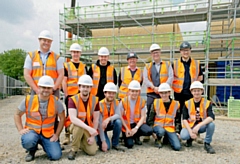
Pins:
<point x="196" y="129"/>
<point x="55" y="88"/>
<point x="133" y="131"/>
<point x="24" y="131"/>
<point x="105" y="123"/>
<point x="104" y="146"/>
<point x="93" y="132"/>
<point x="91" y="140"/>
<point x="54" y="138"/>
<point x="37" y="91"/>
<point x="156" y="90"/>
<point x="193" y="135"/>
<point x="128" y="133"/>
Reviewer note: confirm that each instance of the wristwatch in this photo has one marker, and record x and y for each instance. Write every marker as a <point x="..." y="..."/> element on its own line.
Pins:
<point x="136" y="127"/>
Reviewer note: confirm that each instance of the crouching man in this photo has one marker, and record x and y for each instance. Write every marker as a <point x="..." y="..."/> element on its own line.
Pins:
<point x="133" y="111"/>
<point x="41" y="111"/>
<point x="162" y="117"/>
<point x="84" y="114"/>
<point x="109" y="119"/>
<point x="198" y="118"/>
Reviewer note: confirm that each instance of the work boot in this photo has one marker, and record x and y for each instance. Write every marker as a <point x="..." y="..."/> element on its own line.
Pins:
<point x="199" y="140"/>
<point x="189" y="142"/>
<point x="30" y="156"/>
<point x="209" y="148"/>
<point x="66" y="140"/>
<point x="146" y="139"/>
<point x="137" y="141"/>
<point x="72" y="155"/>
<point x="158" y="143"/>
<point x="118" y="148"/>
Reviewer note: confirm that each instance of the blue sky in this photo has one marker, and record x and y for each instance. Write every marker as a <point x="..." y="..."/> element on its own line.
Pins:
<point x="22" y="20"/>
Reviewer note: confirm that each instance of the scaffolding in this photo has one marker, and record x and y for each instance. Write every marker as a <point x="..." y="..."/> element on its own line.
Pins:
<point x="134" y="26"/>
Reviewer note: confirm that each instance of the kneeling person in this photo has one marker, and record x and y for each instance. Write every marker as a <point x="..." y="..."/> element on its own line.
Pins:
<point x="109" y="119"/>
<point x="162" y="117"/>
<point x="84" y="114"/>
<point x="198" y="118"/>
<point x="41" y="111"/>
<point x="133" y="112"/>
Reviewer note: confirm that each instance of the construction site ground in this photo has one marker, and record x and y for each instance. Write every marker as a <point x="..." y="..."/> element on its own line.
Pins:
<point x="226" y="142"/>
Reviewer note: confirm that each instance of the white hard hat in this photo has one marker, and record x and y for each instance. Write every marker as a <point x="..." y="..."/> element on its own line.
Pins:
<point x="85" y="80"/>
<point x="103" y="51"/>
<point x="154" y="47"/>
<point x="45" y="34"/>
<point x="164" y="87"/>
<point x="135" y="85"/>
<point x="46" y="81"/>
<point x="111" y="87"/>
<point x="196" y="85"/>
<point x="75" y="47"/>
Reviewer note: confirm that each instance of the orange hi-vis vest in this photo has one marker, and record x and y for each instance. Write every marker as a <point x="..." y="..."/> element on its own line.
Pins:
<point x="179" y="70"/>
<point x="96" y="77"/>
<point x="126" y="77"/>
<point x="104" y="110"/>
<point x="34" y="119"/>
<point x="204" y="104"/>
<point x="83" y="113"/>
<point x="38" y="69"/>
<point x="73" y="75"/>
<point x="163" y="73"/>
<point x="165" y="119"/>
<point x="140" y="103"/>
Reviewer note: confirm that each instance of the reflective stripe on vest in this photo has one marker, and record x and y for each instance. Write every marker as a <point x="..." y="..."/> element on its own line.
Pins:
<point x="104" y="110"/>
<point x="179" y="71"/>
<point x="163" y="73"/>
<point x="82" y="112"/>
<point x="34" y="119"/>
<point x="163" y="119"/>
<point x="140" y="104"/>
<point x="96" y="77"/>
<point x="126" y="77"/>
<point x="73" y="75"/>
<point x="204" y="104"/>
<point x="38" y="70"/>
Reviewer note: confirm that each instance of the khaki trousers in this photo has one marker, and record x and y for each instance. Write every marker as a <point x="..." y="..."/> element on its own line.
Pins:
<point x="80" y="137"/>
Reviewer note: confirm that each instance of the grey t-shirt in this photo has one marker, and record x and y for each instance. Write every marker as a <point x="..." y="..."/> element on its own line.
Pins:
<point x="43" y="107"/>
<point x="132" y="108"/>
<point x="28" y="62"/>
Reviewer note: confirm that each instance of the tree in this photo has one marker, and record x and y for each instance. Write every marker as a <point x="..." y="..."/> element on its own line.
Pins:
<point x="11" y="63"/>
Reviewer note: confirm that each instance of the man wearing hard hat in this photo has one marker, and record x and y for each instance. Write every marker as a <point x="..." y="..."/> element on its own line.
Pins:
<point x="154" y="74"/>
<point x="109" y="119"/>
<point x="186" y="70"/>
<point x="198" y="118"/>
<point x="83" y="110"/>
<point x="133" y="112"/>
<point x="162" y="118"/>
<point x="129" y="73"/>
<point x="41" y="111"/>
<point x="72" y="71"/>
<point x="102" y="72"/>
<point x="43" y="62"/>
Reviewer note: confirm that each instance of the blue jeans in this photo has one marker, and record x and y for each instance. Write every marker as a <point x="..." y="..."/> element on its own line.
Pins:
<point x="32" y="139"/>
<point x="209" y="129"/>
<point x="172" y="137"/>
<point x="116" y="126"/>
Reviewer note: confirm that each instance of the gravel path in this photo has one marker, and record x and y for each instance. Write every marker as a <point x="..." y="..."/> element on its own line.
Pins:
<point x="226" y="142"/>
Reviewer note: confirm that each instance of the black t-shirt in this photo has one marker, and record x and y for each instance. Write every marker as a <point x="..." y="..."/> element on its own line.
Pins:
<point x="187" y="77"/>
<point x="198" y="118"/>
<point x="76" y="66"/>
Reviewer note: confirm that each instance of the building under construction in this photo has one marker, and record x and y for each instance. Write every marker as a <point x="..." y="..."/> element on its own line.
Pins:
<point x="135" y="25"/>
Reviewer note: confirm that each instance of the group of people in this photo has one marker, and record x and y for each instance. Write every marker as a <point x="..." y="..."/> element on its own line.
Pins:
<point x="95" y="105"/>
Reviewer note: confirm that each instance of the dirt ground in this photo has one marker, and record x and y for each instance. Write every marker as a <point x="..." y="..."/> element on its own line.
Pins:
<point x="226" y="142"/>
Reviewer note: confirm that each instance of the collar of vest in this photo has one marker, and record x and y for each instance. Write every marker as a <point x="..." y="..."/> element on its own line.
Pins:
<point x="39" y="51"/>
